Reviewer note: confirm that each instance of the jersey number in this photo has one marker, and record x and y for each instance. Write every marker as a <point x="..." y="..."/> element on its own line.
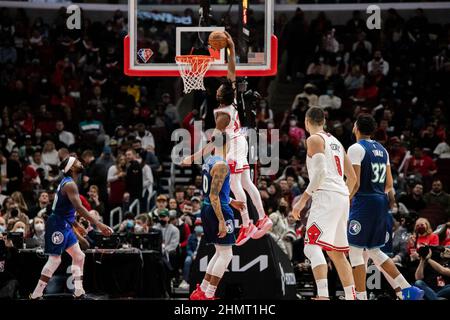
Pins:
<point x="379" y="172"/>
<point x="205" y="184"/>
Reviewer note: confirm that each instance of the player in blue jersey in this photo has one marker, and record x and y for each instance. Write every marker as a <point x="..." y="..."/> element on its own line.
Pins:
<point x="217" y="218"/>
<point x="59" y="233"/>
<point x="368" y="222"/>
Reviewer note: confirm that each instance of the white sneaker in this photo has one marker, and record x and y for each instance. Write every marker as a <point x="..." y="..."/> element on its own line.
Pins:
<point x="183" y="285"/>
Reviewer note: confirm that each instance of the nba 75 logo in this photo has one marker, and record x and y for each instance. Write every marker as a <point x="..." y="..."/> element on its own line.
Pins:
<point x="145" y="54"/>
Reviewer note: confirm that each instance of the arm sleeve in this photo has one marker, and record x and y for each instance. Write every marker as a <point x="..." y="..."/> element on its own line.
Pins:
<point x="356" y="154"/>
<point x="317" y="176"/>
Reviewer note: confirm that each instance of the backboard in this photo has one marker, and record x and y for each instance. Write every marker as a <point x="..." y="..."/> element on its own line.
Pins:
<point x="159" y="32"/>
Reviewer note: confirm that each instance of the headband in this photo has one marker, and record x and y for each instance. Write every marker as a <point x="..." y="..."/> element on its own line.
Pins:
<point x="69" y="164"/>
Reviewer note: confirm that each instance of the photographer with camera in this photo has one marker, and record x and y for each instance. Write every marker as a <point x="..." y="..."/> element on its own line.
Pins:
<point x="433" y="273"/>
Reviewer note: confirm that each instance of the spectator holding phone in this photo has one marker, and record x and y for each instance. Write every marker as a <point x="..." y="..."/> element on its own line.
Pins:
<point x="423" y="236"/>
<point x="433" y="272"/>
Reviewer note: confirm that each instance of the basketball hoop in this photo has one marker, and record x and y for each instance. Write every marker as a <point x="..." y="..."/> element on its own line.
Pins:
<point x="192" y="70"/>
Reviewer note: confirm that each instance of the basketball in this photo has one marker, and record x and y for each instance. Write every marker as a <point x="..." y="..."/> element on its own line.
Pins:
<point x="217" y="40"/>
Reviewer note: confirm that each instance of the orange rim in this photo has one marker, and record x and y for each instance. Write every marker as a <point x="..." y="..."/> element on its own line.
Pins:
<point x="191" y="58"/>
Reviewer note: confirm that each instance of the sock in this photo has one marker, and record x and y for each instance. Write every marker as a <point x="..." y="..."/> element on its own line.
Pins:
<point x="79" y="287"/>
<point x="350" y="292"/>
<point x="245" y="219"/>
<point x="322" y="288"/>
<point x="401" y="282"/>
<point x="39" y="290"/>
<point x="210" y="291"/>
<point x="254" y="194"/>
<point x="361" y="295"/>
<point x="204" y="285"/>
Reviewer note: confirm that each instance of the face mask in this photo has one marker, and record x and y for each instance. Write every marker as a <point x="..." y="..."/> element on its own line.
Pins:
<point x="292" y="123"/>
<point x="377" y="58"/>
<point x="198" y="230"/>
<point x="262" y="105"/>
<point x="330" y="92"/>
<point x="20" y="230"/>
<point x="421" y="230"/>
<point x="163" y="222"/>
<point x="39" y="227"/>
<point x="38" y="134"/>
<point x="138" y="228"/>
<point x="282" y="209"/>
<point x="270" y="126"/>
<point x="2" y="229"/>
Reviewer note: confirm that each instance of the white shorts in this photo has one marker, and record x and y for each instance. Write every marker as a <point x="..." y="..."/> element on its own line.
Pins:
<point x="327" y="221"/>
<point x="237" y="155"/>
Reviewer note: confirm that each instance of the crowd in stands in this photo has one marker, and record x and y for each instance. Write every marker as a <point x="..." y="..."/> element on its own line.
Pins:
<point x="64" y="93"/>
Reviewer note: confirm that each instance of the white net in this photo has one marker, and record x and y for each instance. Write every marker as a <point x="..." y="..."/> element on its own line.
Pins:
<point x="192" y="69"/>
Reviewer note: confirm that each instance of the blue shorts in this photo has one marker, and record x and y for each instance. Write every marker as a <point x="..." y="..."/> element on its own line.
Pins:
<point x="367" y="225"/>
<point x="389" y="225"/>
<point x="211" y="225"/>
<point x="59" y="235"/>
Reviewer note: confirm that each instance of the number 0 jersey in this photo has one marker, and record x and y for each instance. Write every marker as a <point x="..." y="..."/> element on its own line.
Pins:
<point x="373" y="159"/>
<point x="334" y="154"/>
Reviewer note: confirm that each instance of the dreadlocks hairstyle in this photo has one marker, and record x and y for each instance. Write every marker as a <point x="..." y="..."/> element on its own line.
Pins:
<point x="227" y="92"/>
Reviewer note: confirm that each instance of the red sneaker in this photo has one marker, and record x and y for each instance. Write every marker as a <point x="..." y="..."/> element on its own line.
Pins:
<point x="197" y="294"/>
<point x="245" y="234"/>
<point x="263" y="225"/>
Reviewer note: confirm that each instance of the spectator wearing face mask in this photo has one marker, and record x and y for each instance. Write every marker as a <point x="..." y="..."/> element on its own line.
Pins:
<point x="308" y="93"/>
<point x="161" y="205"/>
<point x="280" y="226"/>
<point x="127" y="224"/>
<point x="329" y="100"/>
<point x="141" y="224"/>
<point x="38" y="233"/>
<point x="193" y="244"/>
<point x="423" y="236"/>
<point x="20" y="226"/>
<point x="2" y="225"/>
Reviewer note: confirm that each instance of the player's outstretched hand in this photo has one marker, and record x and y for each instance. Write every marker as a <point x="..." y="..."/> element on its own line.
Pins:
<point x="222" y="229"/>
<point x="238" y="205"/>
<point x="105" y="230"/>
<point x="230" y="42"/>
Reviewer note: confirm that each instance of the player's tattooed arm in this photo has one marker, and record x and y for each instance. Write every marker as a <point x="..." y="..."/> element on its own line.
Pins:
<point x="222" y="121"/>
<point x="218" y="173"/>
<point x="71" y="190"/>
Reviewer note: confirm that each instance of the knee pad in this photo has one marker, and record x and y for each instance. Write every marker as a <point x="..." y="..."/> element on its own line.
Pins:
<point x="314" y="254"/>
<point x="378" y="257"/>
<point x="223" y="260"/>
<point x="356" y="256"/>
<point x="51" y="266"/>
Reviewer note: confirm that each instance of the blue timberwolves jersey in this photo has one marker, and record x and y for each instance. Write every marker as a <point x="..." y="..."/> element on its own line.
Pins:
<point x="373" y="168"/>
<point x="207" y="178"/>
<point x="62" y="206"/>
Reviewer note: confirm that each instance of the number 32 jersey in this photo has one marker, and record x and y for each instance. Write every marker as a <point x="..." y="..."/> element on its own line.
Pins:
<point x="373" y="159"/>
<point x="334" y="155"/>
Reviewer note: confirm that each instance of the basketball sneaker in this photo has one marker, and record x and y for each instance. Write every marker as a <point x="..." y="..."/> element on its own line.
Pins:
<point x="412" y="293"/>
<point x="245" y="234"/>
<point x="197" y="294"/>
<point x="263" y="226"/>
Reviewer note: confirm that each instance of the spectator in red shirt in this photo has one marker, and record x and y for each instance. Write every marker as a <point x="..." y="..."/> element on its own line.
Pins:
<point x="423" y="236"/>
<point x="423" y="165"/>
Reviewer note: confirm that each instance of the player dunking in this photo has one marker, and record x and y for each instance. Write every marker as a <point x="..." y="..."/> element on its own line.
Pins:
<point x="368" y="225"/>
<point x="227" y="120"/>
<point x="217" y="219"/>
<point x="59" y="233"/>
<point x="327" y="164"/>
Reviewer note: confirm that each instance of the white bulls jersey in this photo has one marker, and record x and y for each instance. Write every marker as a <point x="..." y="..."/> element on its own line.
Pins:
<point x="234" y="127"/>
<point x="334" y="155"/>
